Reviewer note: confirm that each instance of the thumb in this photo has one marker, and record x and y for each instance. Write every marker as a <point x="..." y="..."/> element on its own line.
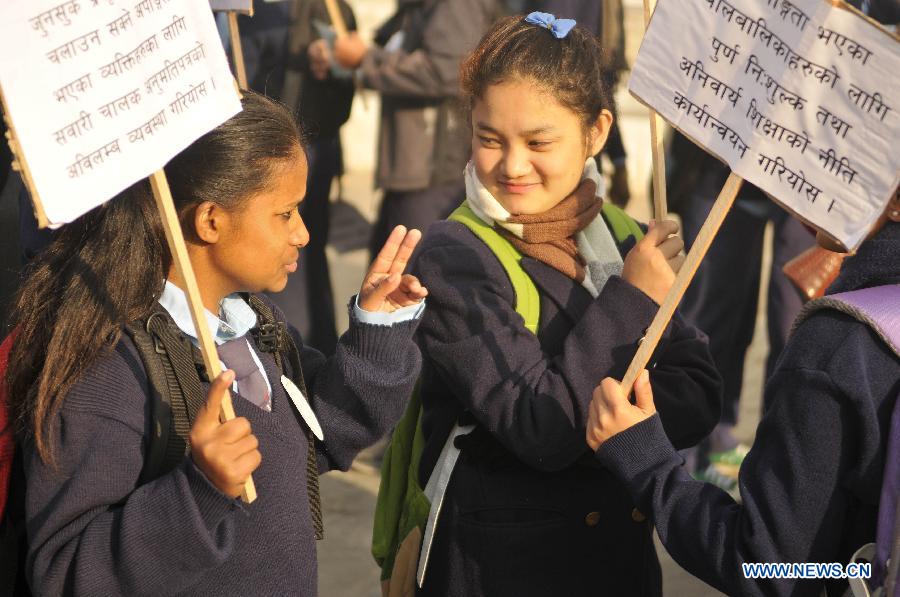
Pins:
<point x="381" y="291"/>
<point x="209" y="412"/>
<point x="643" y="393"/>
<point x="612" y="393"/>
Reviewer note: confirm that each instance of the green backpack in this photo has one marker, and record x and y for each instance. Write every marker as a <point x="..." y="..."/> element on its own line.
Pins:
<point x="402" y="506"/>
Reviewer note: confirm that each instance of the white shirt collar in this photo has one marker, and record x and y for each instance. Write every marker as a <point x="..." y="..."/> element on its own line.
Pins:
<point x="239" y="317"/>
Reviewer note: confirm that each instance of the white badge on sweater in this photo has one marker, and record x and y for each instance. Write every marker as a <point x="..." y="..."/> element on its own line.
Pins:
<point x="303" y="407"/>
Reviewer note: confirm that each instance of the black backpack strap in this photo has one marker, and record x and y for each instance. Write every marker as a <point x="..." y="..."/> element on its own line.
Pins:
<point x="175" y="387"/>
<point x="271" y="335"/>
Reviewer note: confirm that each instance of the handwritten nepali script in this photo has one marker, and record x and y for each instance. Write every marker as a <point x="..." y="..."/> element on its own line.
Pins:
<point x="798" y="97"/>
<point x="104" y="92"/>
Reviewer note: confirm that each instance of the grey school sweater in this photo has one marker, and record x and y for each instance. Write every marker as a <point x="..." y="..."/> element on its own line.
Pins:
<point x="93" y="531"/>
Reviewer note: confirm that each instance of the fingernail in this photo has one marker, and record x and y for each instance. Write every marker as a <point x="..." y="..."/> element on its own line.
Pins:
<point x="228" y="376"/>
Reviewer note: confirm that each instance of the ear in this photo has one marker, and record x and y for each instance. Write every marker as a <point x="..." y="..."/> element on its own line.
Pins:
<point x="210" y="219"/>
<point x="599" y="131"/>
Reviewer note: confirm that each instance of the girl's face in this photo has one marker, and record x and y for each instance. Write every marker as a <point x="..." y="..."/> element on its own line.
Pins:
<point x="528" y="149"/>
<point x="259" y="244"/>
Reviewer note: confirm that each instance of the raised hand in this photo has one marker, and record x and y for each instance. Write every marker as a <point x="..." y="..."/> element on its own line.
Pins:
<point x="227" y="453"/>
<point x="611" y="412"/>
<point x="386" y="288"/>
<point x="653" y="262"/>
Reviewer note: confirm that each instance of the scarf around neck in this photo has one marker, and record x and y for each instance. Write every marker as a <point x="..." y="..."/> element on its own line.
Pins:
<point x="571" y="237"/>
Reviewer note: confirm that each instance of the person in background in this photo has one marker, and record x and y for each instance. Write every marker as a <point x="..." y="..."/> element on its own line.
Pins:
<point x="423" y="142"/>
<point x="321" y="94"/>
<point x="264" y="39"/>
<point x="722" y="299"/>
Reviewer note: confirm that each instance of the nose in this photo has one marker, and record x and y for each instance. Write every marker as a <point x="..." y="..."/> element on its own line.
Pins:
<point x="299" y="234"/>
<point x="515" y="163"/>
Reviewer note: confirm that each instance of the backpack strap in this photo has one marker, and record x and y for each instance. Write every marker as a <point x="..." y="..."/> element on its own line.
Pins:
<point x="176" y="391"/>
<point x="875" y="307"/>
<point x="620" y="223"/>
<point x="528" y="302"/>
<point x="271" y="335"/>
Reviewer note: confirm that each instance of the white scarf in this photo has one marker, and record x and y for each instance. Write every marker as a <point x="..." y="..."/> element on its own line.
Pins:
<point x="595" y="242"/>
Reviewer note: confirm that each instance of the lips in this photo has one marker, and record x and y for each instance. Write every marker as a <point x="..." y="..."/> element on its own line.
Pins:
<point x="291" y="267"/>
<point x="517" y="187"/>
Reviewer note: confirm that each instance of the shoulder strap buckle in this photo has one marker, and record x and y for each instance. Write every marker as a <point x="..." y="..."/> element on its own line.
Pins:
<point x="267" y="336"/>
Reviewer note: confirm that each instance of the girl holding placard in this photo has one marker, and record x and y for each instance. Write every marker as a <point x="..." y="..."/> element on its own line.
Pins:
<point x="98" y="522"/>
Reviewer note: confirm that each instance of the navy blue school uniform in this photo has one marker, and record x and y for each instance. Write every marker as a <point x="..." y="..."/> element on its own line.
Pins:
<point x="528" y="510"/>
<point x="811" y="483"/>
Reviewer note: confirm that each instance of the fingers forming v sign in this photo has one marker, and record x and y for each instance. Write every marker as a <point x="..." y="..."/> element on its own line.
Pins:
<point x="385" y="288"/>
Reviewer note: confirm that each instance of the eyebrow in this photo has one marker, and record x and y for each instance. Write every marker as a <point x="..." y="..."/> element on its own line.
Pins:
<point x="530" y="133"/>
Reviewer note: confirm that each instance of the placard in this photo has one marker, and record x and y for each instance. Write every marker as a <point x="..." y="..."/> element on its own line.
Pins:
<point x="799" y="97"/>
<point x="104" y="92"/>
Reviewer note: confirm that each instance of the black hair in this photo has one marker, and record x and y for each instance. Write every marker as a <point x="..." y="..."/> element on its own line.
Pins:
<point x="108" y="267"/>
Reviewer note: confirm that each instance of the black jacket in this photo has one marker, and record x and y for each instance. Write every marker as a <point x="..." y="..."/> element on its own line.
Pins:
<point x="811" y="483"/>
<point x="528" y="511"/>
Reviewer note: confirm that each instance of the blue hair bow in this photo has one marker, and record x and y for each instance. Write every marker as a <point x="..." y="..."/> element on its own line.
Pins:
<point x="558" y="27"/>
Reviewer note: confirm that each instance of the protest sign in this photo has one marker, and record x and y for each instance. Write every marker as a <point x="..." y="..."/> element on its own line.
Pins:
<point x="102" y="94"/>
<point x="797" y="97"/>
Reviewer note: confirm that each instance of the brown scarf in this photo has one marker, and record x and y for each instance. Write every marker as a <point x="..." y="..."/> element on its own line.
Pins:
<point x="549" y="237"/>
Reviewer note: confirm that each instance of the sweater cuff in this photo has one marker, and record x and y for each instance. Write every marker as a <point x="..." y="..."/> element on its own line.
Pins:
<point x="379" y="343"/>
<point x="212" y="504"/>
<point x="637" y="450"/>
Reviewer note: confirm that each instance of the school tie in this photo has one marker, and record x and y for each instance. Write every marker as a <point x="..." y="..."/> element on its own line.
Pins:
<point x="250" y="381"/>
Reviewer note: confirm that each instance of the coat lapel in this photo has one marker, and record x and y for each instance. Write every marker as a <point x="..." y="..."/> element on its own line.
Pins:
<point x="570" y="297"/>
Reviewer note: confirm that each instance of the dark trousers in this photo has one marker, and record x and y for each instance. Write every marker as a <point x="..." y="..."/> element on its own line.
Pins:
<point x="415" y="209"/>
<point x="308" y="300"/>
<point x="722" y="298"/>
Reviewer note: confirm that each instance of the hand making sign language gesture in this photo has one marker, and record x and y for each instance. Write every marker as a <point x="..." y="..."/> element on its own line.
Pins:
<point x="386" y="288"/>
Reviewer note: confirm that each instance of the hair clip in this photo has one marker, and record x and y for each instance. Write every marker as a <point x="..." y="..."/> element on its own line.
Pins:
<point x="558" y="27"/>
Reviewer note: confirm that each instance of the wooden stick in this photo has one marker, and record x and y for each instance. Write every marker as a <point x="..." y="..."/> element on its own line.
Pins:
<point x="20" y="165"/>
<point x="237" y="52"/>
<point x="698" y="250"/>
<point x="337" y="19"/>
<point x="657" y="149"/>
<point x="166" y="207"/>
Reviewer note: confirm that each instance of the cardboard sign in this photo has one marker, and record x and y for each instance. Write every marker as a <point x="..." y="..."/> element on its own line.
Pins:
<point x="104" y="92"/>
<point x="798" y="97"/>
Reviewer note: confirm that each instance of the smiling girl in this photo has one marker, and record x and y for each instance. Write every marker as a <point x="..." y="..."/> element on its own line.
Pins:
<point x="528" y="511"/>
<point x="83" y="398"/>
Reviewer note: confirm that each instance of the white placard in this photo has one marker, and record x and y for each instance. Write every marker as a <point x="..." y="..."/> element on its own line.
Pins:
<point x="798" y="97"/>
<point x="244" y="6"/>
<point x="104" y="92"/>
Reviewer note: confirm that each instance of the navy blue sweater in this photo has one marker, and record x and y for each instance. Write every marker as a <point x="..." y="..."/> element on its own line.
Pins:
<point x="93" y="531"/>
<point x="811" y="483"/>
